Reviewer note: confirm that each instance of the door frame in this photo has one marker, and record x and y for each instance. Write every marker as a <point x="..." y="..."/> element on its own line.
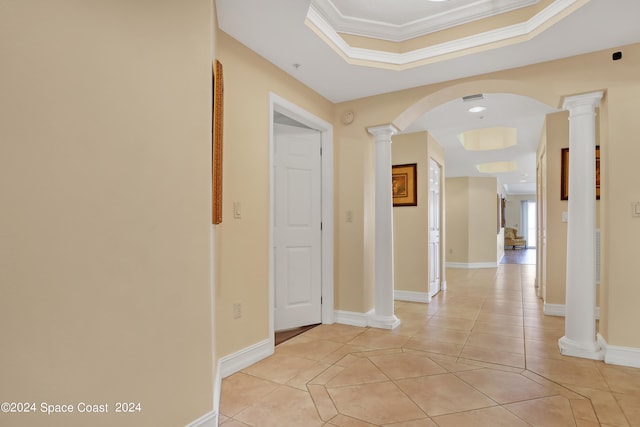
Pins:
<point x="287" y="108"/>
<point x="442" y="284"/>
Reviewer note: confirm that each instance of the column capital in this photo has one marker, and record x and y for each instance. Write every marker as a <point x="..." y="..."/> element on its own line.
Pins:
<point x="383" y="132"/>
<point x="591" y="100"/>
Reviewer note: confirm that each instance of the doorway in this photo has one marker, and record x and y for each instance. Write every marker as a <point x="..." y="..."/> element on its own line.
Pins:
<point x="435" y="221"/>
<point x="316" y="264"/>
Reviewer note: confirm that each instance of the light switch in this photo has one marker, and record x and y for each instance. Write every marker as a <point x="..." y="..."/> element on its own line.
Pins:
<point x="565" y="216"/>
<point x="635" y="209"/>
<point x="349" y="216"/>
<point x="237" y="210"/>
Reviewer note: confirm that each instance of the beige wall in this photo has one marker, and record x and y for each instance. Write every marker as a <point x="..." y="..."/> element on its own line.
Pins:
<point x="105" y="296"/>
<point x="513" y="210"/>
<point x="411" y="223"/>
<point x="471" y="220"/>
<point x="242" y="245"/>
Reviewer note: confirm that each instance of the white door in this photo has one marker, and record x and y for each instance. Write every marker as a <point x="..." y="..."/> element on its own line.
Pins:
<point x="434" y="228"/>
<point x="297" y="227"/>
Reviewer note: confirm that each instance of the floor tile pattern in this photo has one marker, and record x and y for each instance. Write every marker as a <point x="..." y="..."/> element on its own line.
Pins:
<point x="482" y="353"/>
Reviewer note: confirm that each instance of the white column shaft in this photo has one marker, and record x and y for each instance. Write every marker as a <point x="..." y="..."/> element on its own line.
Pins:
<point x="580" y="317"/>
<point x="383" y="316"/>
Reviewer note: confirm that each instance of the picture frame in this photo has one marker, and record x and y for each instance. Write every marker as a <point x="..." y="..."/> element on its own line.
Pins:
<point x="404" y="185"/>
<point x="564" y="173"/>
<point x="216" y="137"/>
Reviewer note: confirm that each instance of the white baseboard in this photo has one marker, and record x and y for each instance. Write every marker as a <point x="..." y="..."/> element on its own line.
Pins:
<point x="411" y="296"/>
<point x="560" y="309"/>
<point x="210" y="419"/>
<point x="352" y="318"/>
<point x="470" y="265"/>
<point x="246" y="357"/>
<point x="619" y="355"/>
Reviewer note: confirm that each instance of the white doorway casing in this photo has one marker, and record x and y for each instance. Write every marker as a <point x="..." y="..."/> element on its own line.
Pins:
<point x="280" y="105"/>
<point x="435" y="221"/>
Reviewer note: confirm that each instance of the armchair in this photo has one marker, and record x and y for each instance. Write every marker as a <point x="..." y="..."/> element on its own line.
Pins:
<point x="512" y="239"/>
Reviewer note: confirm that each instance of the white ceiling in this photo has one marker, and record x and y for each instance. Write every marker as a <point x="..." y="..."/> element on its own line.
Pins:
<point x="276" y="30"/>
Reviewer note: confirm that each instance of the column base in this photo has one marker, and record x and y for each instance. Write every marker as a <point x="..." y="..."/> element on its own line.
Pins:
<point x="384" y="322"/>
<point x="591" y="350"/>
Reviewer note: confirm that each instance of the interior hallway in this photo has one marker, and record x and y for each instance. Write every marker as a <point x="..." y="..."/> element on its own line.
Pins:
<point x="481" y="354"/>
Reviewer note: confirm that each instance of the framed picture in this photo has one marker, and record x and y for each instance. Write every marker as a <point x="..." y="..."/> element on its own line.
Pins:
<point x="404" y="185"/>
<point x="564" y="174"/>
<point x="216" y="149"/>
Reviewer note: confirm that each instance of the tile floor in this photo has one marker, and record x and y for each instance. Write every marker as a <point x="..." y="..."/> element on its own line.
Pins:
<point x="480" y="354"/>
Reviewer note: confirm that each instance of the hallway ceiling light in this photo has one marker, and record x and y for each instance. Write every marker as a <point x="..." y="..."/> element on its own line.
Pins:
<point x="477" y="109"/>
<point x="496" y="138"/>
<point x="497" y="167"/>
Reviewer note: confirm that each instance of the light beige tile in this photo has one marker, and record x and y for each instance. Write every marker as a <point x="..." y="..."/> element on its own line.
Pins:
<point x="506" y="329"/>
<point x="344" y="421"/>
<point x="424" y="422"/>
<point x="450" y="323"/>
<point x="324" y="404"/>
<point x="279" y="368"/>
<point x="486" y="417"/>
<point x="443" y="394"/>
<point x="621" y="379"/>
<point x="630" y="404"/>
<point x="379" y="403"/>
<point x="308" y="348"/>
<point x="493" y="356"/>
<point x="552" y="411"/>
<point x="303" y="377"/>
<point x="361" y="372"/>
<point x="240" y="391"/>
<point x="285" y="406"/>
<point x="378" y="339"/>
<point x="504" y="387"/>
<point x="496" y="342"/>
<point x="334" y="332"/>
<point x="605" y="404"/>
<point x="430" y="346"/>
<point x="582" y="410"/>
<point x="406" y="365"/>
<point x="453" y="336"/>
<point x="576" y="372"/>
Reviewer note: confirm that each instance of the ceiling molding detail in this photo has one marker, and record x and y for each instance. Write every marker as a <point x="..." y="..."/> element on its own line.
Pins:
<point x="398" y="32"/>
<point x="399" y="61"/>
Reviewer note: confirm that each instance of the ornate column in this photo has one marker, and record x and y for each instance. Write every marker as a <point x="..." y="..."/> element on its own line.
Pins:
<point x="383" y="316"/>
<point x="579" y="339"/>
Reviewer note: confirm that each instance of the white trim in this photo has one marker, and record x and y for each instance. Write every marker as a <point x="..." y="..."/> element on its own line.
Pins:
<point x="560" y="309"/>
<point x="210" y="419"/>
<point x="619" y="355"/>
<point x="471" y="265"/>
<point x="422" y="25"/>
<point x="353" y="318"/>
<point x="443" y="286"/>
<point x="318" y="23"/>
<point x="411" y="296"/>
<point x="244" y="358"/>
<point x="281" y="105"/>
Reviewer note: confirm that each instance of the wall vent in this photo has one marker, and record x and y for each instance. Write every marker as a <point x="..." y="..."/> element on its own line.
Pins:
<point x="476" y="97"/>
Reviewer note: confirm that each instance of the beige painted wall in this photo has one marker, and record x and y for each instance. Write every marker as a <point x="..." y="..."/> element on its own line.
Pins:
<point x="105" y="295"/>
<point x="242" y="245"/>
<point x="471" y="220"/>
<point x="411" y="223"/>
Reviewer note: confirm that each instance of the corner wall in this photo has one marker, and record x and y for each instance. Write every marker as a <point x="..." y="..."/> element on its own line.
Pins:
<point x="105" y="123"/>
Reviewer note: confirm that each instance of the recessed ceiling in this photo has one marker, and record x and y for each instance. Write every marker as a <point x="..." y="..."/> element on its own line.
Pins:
<point x="400" y="35"/>
<point x="277" y="31"/>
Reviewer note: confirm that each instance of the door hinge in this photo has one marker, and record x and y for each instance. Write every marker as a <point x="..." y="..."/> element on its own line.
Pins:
<point x="321" y="151"/>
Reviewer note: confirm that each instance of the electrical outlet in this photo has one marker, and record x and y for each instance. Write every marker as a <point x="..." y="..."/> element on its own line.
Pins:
<point x="237" y="310"/>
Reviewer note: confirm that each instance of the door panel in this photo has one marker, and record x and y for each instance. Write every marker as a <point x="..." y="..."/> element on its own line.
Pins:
<point x="297" y="228"/>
